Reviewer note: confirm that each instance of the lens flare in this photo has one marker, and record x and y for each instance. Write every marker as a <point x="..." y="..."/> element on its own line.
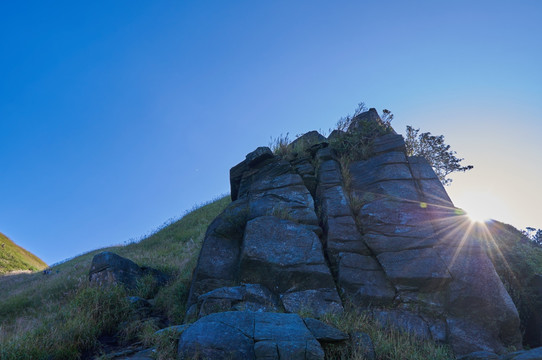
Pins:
<point x="481" y="206"/>
<point x="477" y="215"/>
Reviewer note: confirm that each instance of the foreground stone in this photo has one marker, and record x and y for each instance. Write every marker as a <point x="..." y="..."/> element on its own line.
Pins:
<point x="247" y="335"/>
<point x="252" y="297"/>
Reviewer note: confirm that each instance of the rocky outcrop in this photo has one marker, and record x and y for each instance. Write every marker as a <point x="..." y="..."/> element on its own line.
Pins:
<point x="312" y="232"/>
<point x="268" y="236"/>
<point x="108" y="268"/>
<point x="246" y="335"/>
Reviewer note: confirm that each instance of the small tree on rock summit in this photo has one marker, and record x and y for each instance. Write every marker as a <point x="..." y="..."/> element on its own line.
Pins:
<point x="435" y="151"/>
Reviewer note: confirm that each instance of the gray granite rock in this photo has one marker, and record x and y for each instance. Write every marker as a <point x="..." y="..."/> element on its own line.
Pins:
<point x="324" y="332"/>
<point x="249" y="335"/>
<point x="305" y="141"/>
<point x="363" y="282"/>
<point x="257" y="156"/>
<point x="108" y="268"/>
<point x="420" y="268"/>
<point x="288" y="259"/>
<point x="253" y="297"/>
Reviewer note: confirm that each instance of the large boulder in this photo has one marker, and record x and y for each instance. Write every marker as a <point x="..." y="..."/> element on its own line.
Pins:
<point x="248" y="335"/>
<point x="108" y="268"/>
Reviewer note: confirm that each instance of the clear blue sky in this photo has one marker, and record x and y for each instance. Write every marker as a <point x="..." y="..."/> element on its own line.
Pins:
<point x="118" y="115"/>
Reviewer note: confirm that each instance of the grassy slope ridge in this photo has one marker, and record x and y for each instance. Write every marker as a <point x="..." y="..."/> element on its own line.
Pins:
<point x="14" y="258"/>
<point x="60" y="316"/>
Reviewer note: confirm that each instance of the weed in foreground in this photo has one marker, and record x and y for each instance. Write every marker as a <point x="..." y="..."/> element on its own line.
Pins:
<point x="73" y="329"/>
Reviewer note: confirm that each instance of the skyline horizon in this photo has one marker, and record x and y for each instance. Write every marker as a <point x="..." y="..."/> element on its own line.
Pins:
<point x="115" y="117"/>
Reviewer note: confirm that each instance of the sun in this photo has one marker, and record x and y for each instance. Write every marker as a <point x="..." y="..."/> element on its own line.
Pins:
<point x="481" y="206"/>
<point x="478" y="215"/>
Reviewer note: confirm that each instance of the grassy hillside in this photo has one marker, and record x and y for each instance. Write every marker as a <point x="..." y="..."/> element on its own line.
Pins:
<point x="14" y="257"/>
<point x="59" y="316"/>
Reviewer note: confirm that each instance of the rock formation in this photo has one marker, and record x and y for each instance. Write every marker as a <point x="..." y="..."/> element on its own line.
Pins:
<point x="307" y="232"/>
<point x="248" y="335"/>
<point x="108" y="268"/>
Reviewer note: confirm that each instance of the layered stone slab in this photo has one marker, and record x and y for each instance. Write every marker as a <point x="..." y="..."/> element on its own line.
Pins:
<point x="363" y="281"/>
<point x="252" y="336"/>
<point x="419" y="268"/>
<point x="287" y="258"/>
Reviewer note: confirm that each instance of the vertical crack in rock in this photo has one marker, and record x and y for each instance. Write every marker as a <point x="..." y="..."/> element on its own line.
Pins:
<point x="359" y="277"/>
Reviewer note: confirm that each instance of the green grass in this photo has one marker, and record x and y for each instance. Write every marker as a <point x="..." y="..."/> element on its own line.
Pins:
<point x="15" y="258"/>
<point x="60" y="316"/>
<point x="389" y="344"/>
<point x="73" y="329"/>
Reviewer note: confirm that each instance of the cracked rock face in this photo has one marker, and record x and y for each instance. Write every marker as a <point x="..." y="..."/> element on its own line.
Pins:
<point x="247" y="335"/>
<point x="379" y="232"/>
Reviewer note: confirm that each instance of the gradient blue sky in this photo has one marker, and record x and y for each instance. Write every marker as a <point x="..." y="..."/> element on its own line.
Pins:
<point x="116" y="116"/>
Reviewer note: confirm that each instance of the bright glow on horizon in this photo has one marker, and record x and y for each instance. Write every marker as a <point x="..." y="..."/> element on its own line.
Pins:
<point x="481" y="206"/>
<point x="478" y="217"/>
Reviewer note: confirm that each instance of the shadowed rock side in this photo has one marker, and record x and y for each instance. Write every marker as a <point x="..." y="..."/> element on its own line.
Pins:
<point x="387" y="238"/>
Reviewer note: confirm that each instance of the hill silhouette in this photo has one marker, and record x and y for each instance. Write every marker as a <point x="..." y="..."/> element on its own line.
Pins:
<point x="15" y="258"/>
